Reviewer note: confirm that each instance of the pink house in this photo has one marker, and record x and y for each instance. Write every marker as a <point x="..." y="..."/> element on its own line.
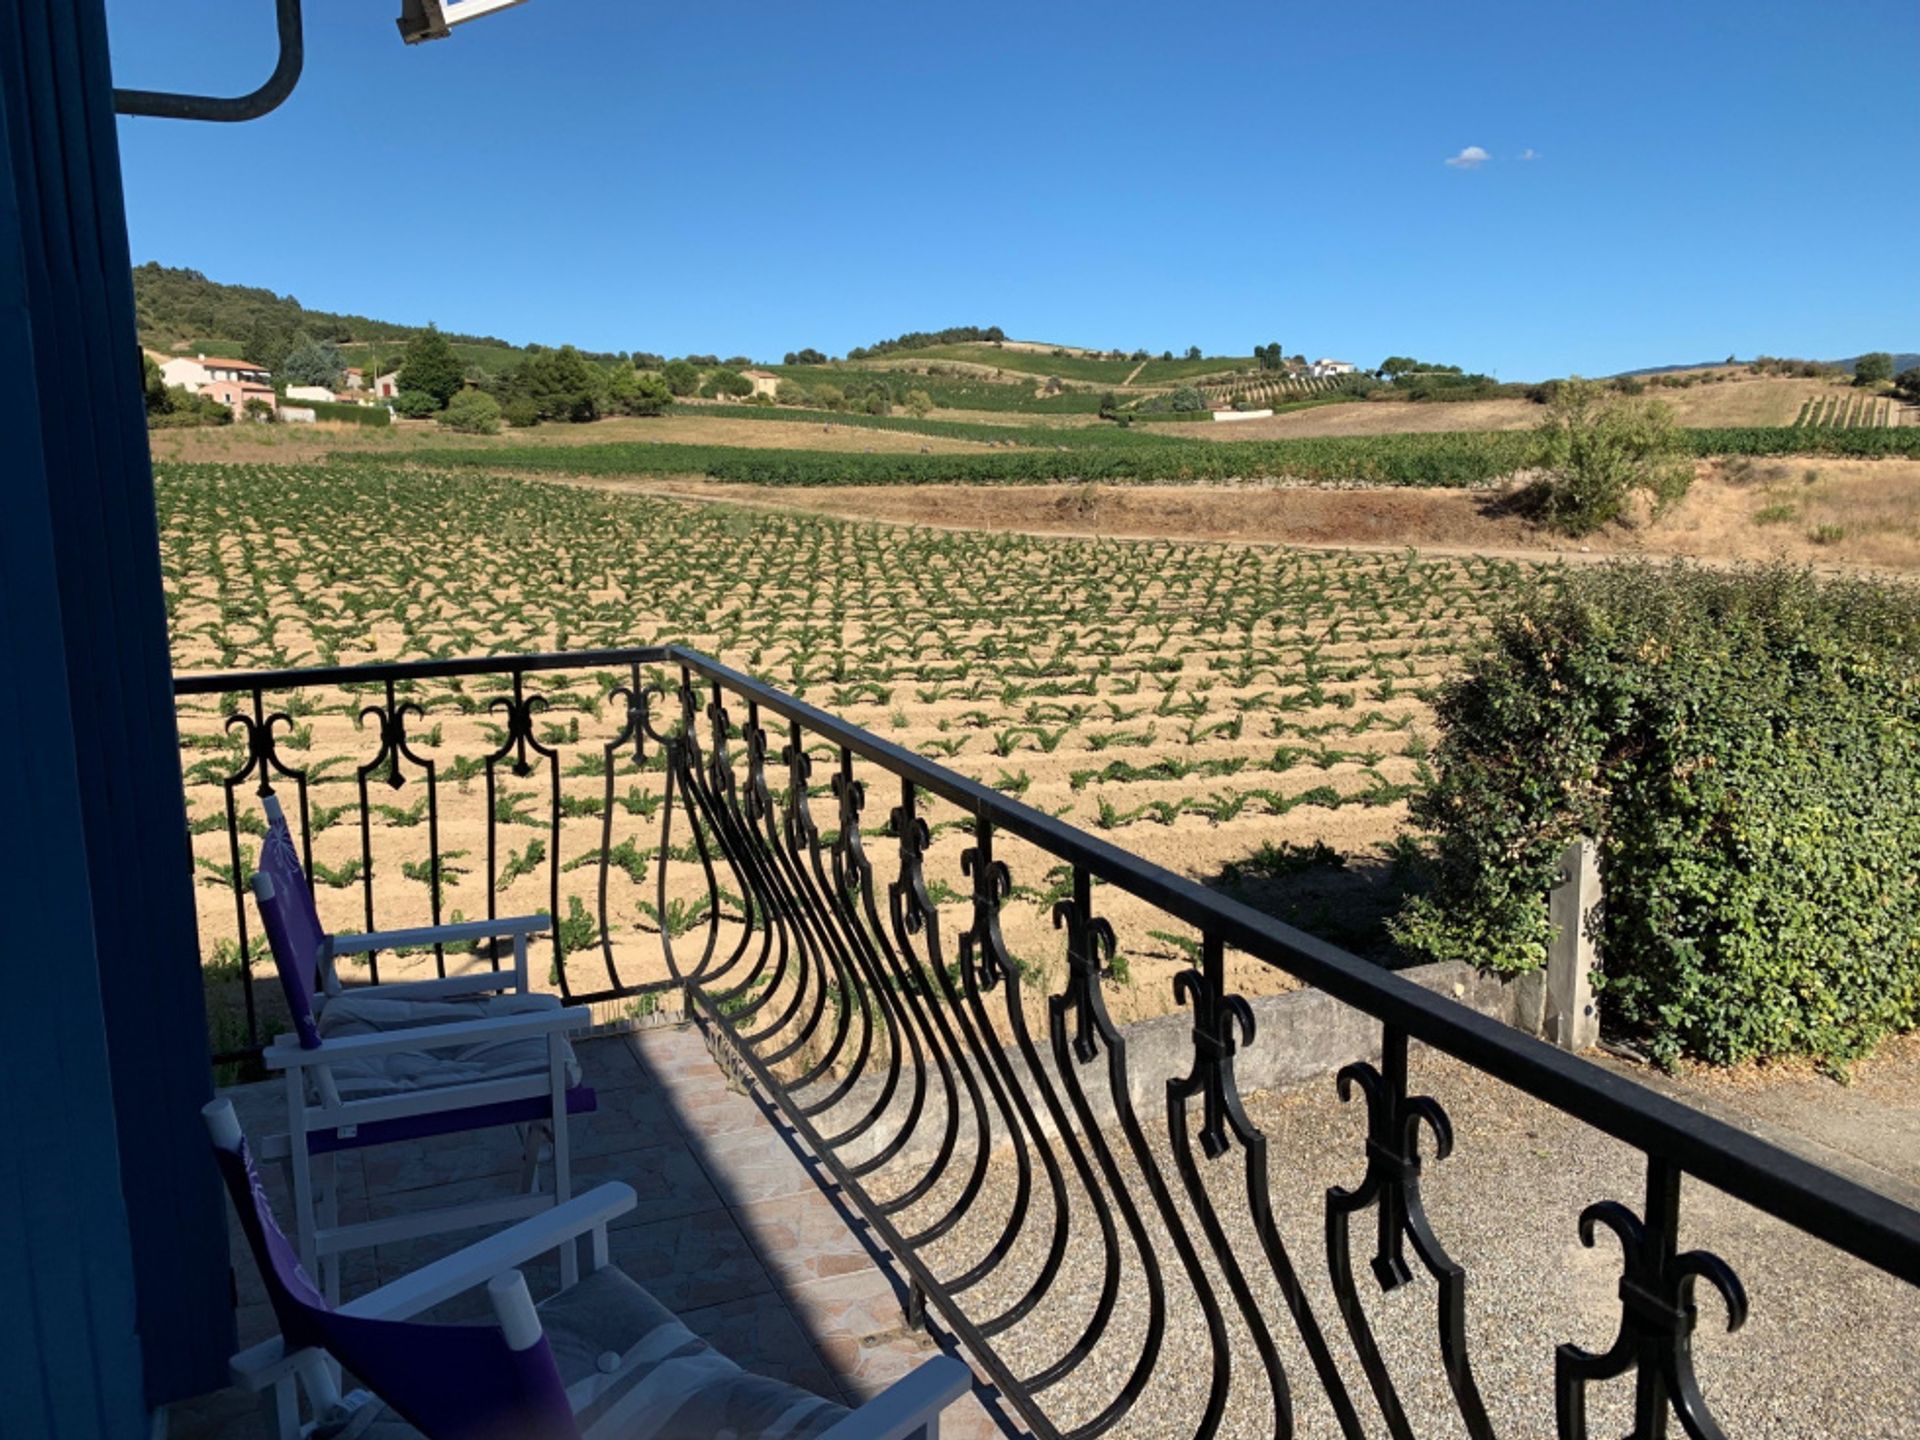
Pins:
<point x="234" y="394"/>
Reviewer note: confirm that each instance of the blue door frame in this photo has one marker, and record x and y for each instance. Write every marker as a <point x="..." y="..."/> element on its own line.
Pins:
<point x="111" y="1226"/>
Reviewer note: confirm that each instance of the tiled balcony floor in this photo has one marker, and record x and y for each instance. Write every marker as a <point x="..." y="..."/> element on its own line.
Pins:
<point x="735" y="1229"/>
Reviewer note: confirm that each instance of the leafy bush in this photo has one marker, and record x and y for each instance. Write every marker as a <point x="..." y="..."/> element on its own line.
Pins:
<point x="472" y="412"/>
<point x="682" y="377"/>
<point x="724" y="382"/>
<point x="520" y="412"/>
<point x="1871" y="369"/>
<point x="629" y="392"/>
<point x="1597" y="450"/>
<point x="415" y="404"/>
<point x="1746" y="750"/>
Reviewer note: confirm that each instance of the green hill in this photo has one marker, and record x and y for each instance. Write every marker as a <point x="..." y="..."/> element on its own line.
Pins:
<point x="181" y="311"/>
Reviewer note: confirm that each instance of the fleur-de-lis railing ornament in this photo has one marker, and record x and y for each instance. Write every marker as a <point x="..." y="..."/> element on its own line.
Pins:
<point x="758" y="802"/>
<point x="719" y="758"/>
<point x="689" y="734"/>
<point x="1392" y="1187"/>
<point x="263" y="756"/>
<point x="915" y="907"/>
<point x="852" y="871"/>
<point x="983" y="950"/>
<point x="797" y="820"/>
<point x="390" y="721"/>
<point x="639" y="699"/>
<point x="519" y="710"/>
<point x="1217" y="1015"/>
<point x="1091" y="946"/>
<point x="1657" y="1318"/>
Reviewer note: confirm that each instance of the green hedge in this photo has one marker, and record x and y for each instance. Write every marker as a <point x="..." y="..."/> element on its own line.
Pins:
<point x="1786" y="440"/>
<point x="375" y="415"/>
<point x="1746" y="749"/>
<point x="1111" y="454"/>
<point x="1118" y="455"/>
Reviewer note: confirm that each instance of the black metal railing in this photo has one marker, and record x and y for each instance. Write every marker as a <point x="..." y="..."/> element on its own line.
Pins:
<point x="1100" y="1229"/>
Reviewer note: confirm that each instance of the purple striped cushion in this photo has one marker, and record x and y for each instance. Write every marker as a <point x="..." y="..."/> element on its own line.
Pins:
<point x="292" y="925"/>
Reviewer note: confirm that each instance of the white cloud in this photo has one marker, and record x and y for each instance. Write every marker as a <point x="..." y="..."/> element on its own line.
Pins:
<point x="1471" y="158"/>
<point x="1529" y="154"/>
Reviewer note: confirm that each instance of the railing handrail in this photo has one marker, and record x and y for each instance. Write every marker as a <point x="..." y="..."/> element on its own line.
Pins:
<point x="1852" y="1217"/>
<point x="219" y="682"/>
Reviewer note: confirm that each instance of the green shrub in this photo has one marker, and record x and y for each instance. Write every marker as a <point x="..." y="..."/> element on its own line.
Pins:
<point x="521" y="413"/>
<point x="472" y="412"/>
<point x="1745" y="747"/>
<point x="1596" y="451"/>
<point x="415" y="404"/>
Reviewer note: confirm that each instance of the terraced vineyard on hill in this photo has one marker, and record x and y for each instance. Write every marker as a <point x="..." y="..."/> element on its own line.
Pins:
<point x="1848" y="410"/>
<point x="1256" y="717"/>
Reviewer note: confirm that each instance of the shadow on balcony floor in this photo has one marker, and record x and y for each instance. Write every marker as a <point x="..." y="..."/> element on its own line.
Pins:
<point x="735" y="1229"/>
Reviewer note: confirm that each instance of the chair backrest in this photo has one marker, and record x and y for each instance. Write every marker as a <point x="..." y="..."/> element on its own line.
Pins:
<point x="450" y="1382"/>
<point x="292" y="923"/>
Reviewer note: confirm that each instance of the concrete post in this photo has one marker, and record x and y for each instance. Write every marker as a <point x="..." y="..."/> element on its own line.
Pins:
<point x="1572" y="1021"/>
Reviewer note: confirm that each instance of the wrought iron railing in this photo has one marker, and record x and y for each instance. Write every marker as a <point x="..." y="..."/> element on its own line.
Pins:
<point x="1100" y="1230"/>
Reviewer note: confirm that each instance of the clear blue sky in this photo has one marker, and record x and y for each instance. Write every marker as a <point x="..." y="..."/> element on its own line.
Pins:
<point x="751" y="178"/>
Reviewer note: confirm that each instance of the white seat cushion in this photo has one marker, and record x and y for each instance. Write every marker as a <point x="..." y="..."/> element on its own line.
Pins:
<point x="368" y="1013"/>
<point x="631" y="1367"/>
<point x="634" y="1372"/>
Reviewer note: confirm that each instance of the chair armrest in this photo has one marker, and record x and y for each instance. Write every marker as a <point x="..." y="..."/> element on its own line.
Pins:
<point x="904" y="1408"/>
<point x="286" y="1054"/>
<point x="441" y="934"/>
<point x="481" y="1261"/>
<point x="453" y="987"/>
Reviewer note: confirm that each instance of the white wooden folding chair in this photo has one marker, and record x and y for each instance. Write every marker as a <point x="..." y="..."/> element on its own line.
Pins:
<point x="599" y="1360"/>
<point x="383" y="1064"/>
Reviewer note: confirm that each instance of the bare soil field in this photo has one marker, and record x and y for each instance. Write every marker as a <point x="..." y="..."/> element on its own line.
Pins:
<point x="1825" y="513"/>
<point x="1252" y="718"/>
<point x="295" y="444"/>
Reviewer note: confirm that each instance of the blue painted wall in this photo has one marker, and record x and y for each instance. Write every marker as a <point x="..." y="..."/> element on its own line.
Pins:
<point x="111" y="1224"/>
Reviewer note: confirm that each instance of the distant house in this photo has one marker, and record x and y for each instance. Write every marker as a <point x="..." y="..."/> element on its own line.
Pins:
<point x="1325" y="369"/>
<point x="199" y="371"/>
<point x="388" y="385"/>
<point x="309" y="392"/>
<point x="234" y="394"/>
<point x="356" y="378"/>
<point x="765" y="382"/>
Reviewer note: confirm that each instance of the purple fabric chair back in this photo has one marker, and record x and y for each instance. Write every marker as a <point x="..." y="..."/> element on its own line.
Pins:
<point x="450" y="1382"/>
<point x="292" y="923"/>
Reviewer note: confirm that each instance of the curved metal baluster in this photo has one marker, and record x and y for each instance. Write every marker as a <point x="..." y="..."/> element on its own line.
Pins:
<point x="917" y="999"/>
<point x="1392" y="1184"/>
<point x="519" y="711"/>
<point x="983" y="1050"/>
<point x="992" y="885"/>
<point x="634" y="731"/>
<point x="1253" y="1141"/>
<point x="1088" y="939"/>
<point x="985" y="962"/>
<point x="263" y="759"/>
<point x="849" y="795"/>
<point x="807" y="877"/>
<point x="1657" y="1318"/>
<point x="1216" y="1015"/>
<point x="391" y="719"/>
<point x="913" y="913"/>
